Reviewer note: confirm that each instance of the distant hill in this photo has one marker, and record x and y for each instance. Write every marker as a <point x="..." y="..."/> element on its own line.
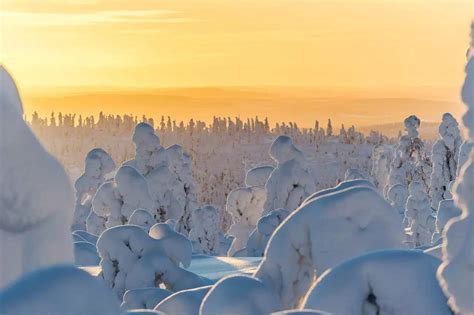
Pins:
<point x="303" y="105"/>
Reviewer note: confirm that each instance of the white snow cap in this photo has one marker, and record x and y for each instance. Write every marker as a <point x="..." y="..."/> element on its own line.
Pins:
<point x="341" y="186"/>
<point x="240" y="295"/>
<point x="283" y="150"/>
<point x="142" y="218"/>
<point x="36" y="197"/>
<point x="323" y="233"/>
<point x="59" y="290"/>
<point x="258" y="176"/>
<point x="385" y="282"/>
<point x="398" y="195"/>
<point x="412" y="123"/>
<point x="446" y="211"/>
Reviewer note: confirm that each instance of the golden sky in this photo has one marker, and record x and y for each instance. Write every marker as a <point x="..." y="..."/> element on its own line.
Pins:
<point x="375" y="44"/>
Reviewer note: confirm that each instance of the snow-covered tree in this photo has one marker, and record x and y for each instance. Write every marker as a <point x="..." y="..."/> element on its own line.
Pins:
<point x="36" y="197"/>
<point x="409" y="162"/>
<point x="458" y="235"/>
<point x="246" y="206"/>
<point x="258" y="176"/>
<point x="290" y="182"/>
<point x="398" y="195"/>
<point x="446" y="211"/>
<point x="98" y="164"/>
<point x="205" y="230"/>
<point x="419" y="215"/>
<point x="316" y="238"/>
<point x="445" y="155"/>
<point x="240" y="294"/>
<point x="144" y="298"/>
<point x="329" y="128"/>
<point x="142" y="218"/>
<point x="130" y="258"/>
<point x="115" y="201"/>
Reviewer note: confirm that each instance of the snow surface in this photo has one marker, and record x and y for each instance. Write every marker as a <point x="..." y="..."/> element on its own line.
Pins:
<point x="36" y="197"/>
<point x="384" y="282"/>
<point x="239" y="294"/>
<point x="186" y="302"/>
<point x="306" y="245"/>
<point x="58" y="290"/>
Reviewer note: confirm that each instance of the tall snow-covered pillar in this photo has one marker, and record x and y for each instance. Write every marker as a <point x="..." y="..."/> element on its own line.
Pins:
<point x="457" y="270"/>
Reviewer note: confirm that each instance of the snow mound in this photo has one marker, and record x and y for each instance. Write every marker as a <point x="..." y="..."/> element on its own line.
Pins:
<point x="266" y="225"/>
<point x="246" y="206"/>
<point x="240" y="295"/>
<point x="301" y="312"/>
<point x="143" y="312"/>
<point x="85" y="254"/>
<point x="323" y="233"/>
<point x="258" y="176"/>
<point x="59" y="290"/>
<point x="132" y="259"/>
<point x="385" y="282"/>
<point x="36" y="197"/>
<point x="144" y="298"/>
<point x="85" y="236"/>
<point x="186" y="302"/>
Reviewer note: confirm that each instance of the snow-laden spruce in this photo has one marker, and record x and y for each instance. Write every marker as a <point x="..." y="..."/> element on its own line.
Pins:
<point x="167" y="192"/>
<point x="445" y="155"/>
<point x="148" y="150"/>
<point x="341" y="186"/>
<point x="384" y="282"/>
<point x="240" y="295"/>
<point x="130" y="259"/>
<point x="115" y="201"/>
<point x="205" y="232"/>
<point x="290" y="182"/>
<point x="324" y="232"/>
<point x="382" y="156"/>
<point x="246" y="207"/>
<point x="409" y="162"/>
<point x="180" y="163"/>
<point x="258" y="176"/>
<point x="260" y="236"/>
<point x="144" y="298"/>
<point x="98" y="164"/>
<point x="185" y="302"/>
<point x="419" y="215"/>
<point x="36" y="197"/>
<point x="398" y="195"/>
<point x="456" y="272"/>
<point x="59" y="290"/>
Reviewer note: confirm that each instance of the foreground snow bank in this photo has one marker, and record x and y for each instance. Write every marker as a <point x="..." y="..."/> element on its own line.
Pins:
<point x="456" y="272"/>
<point x="385" y="282"/>
<point x="323" y="233"/>
<point x="186" y="302"/>
<point x="36" y="198"/>
<point x="60" y="290"/>
<point x="240" y="295"/>
<point x="144" y="298"/>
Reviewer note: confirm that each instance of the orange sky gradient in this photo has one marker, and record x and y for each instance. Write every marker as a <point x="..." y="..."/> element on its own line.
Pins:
<point x="385" y="48"/>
